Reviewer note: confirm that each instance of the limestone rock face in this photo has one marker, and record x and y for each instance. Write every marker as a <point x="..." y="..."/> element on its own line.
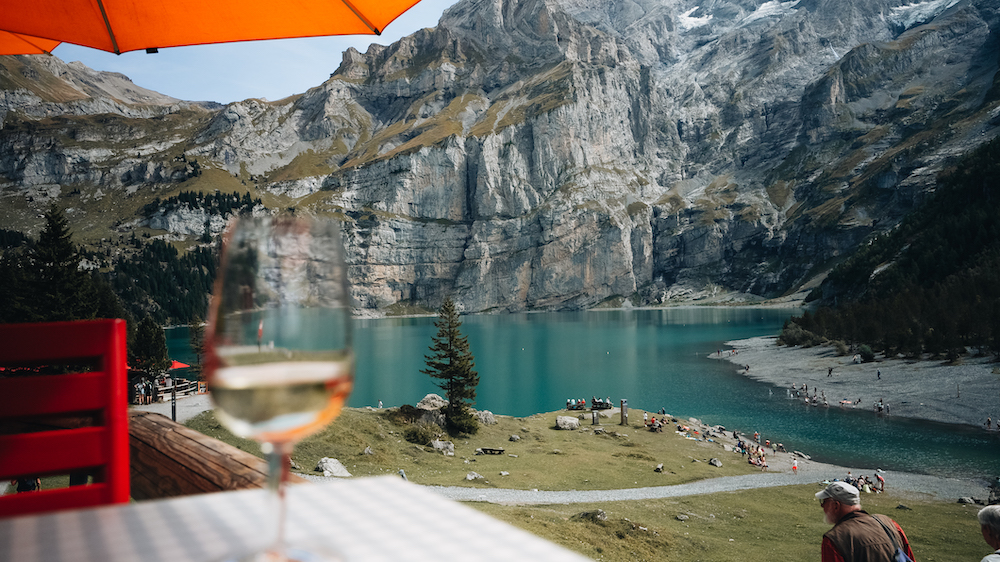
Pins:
<point x="554" y="154"/>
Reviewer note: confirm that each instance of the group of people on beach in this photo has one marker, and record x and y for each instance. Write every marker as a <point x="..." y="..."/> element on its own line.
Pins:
<point x="755" y="452"/>
<point x="866" y="484"/>
<point x="818" y="398"/>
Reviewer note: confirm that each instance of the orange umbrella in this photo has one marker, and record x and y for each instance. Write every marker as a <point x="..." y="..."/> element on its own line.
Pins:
<point x="120" y="26"/>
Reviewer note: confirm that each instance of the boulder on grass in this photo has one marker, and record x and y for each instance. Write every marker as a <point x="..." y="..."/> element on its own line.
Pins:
<point x="332" y="467"/>
<point x="594" y="516"/>
<point x="447" y="448"/>
<point x="567" y="422"/>
<point x="486" y="417"/>
<point x="432" y="402"/>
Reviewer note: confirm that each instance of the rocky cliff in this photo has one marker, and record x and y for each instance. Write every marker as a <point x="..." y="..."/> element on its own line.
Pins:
<point x="551" y="154"/>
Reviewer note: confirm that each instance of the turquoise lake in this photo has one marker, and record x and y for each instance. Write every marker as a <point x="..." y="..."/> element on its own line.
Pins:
<point x="530" y="363"/>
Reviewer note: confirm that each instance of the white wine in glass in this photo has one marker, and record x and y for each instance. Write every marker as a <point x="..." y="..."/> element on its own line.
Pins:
<point x="278" y="345"/>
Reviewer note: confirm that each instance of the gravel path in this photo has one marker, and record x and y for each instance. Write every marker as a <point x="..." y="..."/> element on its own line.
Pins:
<point x="911" y="485"/>
<point x="187" y="406"/>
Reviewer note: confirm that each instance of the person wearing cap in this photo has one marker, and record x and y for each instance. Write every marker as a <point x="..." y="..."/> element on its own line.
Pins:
<point x="989" y="520"/>
<point x="856" y="535"/>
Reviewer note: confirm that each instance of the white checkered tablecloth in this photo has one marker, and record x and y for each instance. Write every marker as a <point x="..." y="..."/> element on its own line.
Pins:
<point x="366" y="519"/>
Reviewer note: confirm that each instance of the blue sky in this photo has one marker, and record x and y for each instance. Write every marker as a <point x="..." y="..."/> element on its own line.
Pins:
<point x="258" y="69"/>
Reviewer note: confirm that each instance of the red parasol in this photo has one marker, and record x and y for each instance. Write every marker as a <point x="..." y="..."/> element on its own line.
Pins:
<point x="120" y="26"/>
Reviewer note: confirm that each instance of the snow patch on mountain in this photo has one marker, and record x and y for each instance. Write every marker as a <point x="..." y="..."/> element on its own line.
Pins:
<point x="912" y="14"/>
<point x="686" y="22"/>
<point x="771" y="9"/>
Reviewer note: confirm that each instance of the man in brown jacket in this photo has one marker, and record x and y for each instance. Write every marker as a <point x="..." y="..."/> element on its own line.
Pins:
<point x="857" y="536"/>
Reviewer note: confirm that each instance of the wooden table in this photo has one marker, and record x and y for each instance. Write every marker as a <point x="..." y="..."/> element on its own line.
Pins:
<point x="365" y="519"/>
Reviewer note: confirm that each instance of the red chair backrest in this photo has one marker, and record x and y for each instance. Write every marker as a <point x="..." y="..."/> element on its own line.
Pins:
<point x="101" y="449"/>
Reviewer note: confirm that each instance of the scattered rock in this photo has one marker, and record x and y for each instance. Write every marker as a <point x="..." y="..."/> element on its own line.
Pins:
<point x="511" y="455"/>
<point x="293" y="464"/>
<point x="682" y="517"/>
<point x="432" y="417"/>
<point x="659" y="468"/>
<point x="594" y="516"/>
<point x="331" y="467"/>
<point x="368" y="451"/>
<point x="556" y="451"/>
<point x="599" y="431"/>
<point x="447" y="448"/>
<point x="486" y="417"/>
<point x="964" y="499"/>
<point x="567" y="422"/>
<point x="715" y="462"/>
<point x="504" y="473"/>
<point x="432" y="402"/>
<point x="515" y="438"/>
<point x="901" y="506"/>
<point x="473" y="476"/>
<point x="800" y="454"/>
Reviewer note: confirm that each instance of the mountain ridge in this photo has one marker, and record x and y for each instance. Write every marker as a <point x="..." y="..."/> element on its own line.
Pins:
<point x="552" y="154"/>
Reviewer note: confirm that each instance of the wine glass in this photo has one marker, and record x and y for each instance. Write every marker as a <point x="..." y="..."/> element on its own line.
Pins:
<point x="278" y="345"/>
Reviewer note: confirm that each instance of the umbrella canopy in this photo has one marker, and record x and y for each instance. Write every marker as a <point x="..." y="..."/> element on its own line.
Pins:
<point x="178" y="365"/>
<point x="120" y="26"/>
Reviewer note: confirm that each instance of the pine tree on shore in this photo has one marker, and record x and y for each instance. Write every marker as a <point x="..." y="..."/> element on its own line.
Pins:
<point x="452" y="364"/>
<point x="149" y="352"/>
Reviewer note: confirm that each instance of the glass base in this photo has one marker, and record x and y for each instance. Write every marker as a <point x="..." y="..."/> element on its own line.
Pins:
<point x="289" y="554"/>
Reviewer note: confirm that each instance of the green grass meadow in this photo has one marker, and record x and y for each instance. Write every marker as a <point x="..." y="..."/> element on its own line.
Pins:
<point x="769" y="524"/>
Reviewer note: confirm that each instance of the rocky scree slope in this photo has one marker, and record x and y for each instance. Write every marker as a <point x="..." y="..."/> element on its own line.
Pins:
<point x="555" y="154"/>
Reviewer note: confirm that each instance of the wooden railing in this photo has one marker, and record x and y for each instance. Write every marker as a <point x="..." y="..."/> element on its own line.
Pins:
<point x="184" y="388"/>
<point x="168" y="459"/>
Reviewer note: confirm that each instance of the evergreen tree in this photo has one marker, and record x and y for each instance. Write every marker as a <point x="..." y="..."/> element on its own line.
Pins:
<point x="149" y="350"/>
<point x="196" y="336"/>
<point x="63" y="291"/>
<point x="452" y="364"/>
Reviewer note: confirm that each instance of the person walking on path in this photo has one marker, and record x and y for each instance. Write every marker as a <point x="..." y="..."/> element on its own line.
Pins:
<point x="878" y="374"/>
<point x="795" y="466"/>
<point x="856" y="535"/>
<point x="989" y="522"/>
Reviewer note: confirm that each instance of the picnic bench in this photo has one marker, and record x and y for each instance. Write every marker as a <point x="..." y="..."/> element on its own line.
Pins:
<point x="491" y="450"/>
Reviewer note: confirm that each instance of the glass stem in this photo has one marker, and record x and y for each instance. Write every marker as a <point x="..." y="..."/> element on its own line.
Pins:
<point x="277" y="480"/>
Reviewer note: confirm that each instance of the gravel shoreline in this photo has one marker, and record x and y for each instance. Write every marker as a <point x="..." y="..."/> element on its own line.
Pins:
<point x="964" y="394"/>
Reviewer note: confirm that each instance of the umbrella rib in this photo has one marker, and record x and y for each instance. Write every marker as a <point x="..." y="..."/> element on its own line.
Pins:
<point x="25" y="39"/>
<point x="107" y="24"/>
<point x="363" y="19"/>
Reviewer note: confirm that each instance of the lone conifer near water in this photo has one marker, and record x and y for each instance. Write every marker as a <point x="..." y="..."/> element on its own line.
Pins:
<point x="452" y="363"/>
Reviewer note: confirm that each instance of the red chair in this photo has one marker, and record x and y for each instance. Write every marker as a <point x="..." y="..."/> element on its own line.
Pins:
<point x="29" y="402"/>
